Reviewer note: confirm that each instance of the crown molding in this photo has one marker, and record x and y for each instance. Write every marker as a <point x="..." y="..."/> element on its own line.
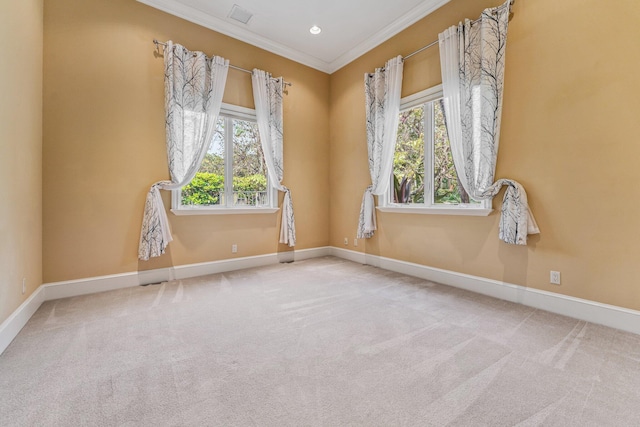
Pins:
<point x="199" y="17"/>
<point x="402" y="23"/>
<point x="221" y="26"/>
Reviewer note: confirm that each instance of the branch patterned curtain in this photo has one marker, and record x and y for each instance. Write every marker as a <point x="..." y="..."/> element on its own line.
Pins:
<point x="382" y="102"/>
<point x="267" y="97"/>
<point x="193" y="89"/>
<point x="472" y="57"/>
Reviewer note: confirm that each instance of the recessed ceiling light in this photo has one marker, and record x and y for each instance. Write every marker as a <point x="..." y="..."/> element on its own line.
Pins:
<point x="315" y="30"/>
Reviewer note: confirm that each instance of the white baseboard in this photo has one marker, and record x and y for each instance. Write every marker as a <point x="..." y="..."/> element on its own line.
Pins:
<point x="16" y="321"/>
<point x="350" y="255"/>
<point x="71" y="288"/>
<point x="577" y="308"/>
<point x="93" y="285"/>
<point x="213" y="267"/>
<point x="313" y="253"/>
<point x="590" y="311"/>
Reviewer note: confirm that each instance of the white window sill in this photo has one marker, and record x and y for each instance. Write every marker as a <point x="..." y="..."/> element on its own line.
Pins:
<point x="436" y="210"/>
<point x="223" y="211"/>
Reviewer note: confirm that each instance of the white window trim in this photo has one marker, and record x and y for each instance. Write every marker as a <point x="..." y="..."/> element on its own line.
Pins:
<point x="385" y="203"/>
<point x="223" y="211"/>
<point x="241" y="113"/>
<point x="462" y="210"/>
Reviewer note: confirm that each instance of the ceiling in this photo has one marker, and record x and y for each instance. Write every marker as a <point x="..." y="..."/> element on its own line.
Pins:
<point x="350" y="28"/>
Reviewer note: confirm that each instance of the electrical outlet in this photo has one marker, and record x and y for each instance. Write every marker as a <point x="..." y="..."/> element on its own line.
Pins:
<point x="355" y="242"/>
<point x="234" y="248"/>
<point x="554" y="278"/>
<point x="24" y="285"/>
<point x="346" y="241"/>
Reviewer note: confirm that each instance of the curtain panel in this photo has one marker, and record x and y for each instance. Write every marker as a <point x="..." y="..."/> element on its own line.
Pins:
<point x="472" y="57"/>
<point x="193" y="89"/>
<point x="267" y="96"/>
<point x="382" y="107"/>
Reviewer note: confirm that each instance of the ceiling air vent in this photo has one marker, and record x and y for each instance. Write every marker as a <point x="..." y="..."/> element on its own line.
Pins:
<point x="239" y="14"/>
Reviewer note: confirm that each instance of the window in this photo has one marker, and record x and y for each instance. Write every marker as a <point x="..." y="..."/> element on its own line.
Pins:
<point x="424" y="179"/>
<point x="233" y="176"/>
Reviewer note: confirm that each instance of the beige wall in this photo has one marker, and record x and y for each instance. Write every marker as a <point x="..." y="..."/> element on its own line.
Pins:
<point x="20" y="151"/>
<point x="104" y="141"/>
<point x="569" y="135"/>
<point x="569" y="124"/>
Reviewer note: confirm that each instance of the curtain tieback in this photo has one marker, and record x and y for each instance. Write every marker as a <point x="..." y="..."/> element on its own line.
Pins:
<point x="367" y="224"/>
<point x="152" y="243"/>
<point x="288" y="226"/>
<point x="516" y="219"/>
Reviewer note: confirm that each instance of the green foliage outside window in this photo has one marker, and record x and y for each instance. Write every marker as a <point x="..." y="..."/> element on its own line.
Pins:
<point x="409" y="160"/>
<point x="447" y="188"/>
<point x="206" y="188"/>
<point x="249" y="178"/>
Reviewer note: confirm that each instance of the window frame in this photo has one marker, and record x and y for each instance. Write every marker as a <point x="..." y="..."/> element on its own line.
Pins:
<point x="177" y="208"/>
<point x="385" y="202"/>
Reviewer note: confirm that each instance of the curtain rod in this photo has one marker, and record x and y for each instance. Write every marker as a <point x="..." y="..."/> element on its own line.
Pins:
<point x="244" y="70"/>
<point x="433" y="43"/>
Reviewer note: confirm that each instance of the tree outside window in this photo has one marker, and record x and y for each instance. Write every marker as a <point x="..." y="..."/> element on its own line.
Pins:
<point x="233" y="172"/>
<point x="423" y="145"/>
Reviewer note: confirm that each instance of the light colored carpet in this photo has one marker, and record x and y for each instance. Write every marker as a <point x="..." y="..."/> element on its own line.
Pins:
<point x="322" y="342"/>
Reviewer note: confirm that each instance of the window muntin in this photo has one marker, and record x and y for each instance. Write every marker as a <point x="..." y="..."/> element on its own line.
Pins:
<point x="233" y="174"/>
<point x="409" y="157"/>
<point x="423" y="172"/>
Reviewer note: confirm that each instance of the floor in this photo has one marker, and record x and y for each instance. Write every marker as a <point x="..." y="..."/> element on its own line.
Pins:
<point x="320" y="342"/>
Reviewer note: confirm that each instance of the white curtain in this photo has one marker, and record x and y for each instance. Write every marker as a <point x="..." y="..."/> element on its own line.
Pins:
<point x="193" y="89"/>
<point x="267" y="97"/>
<point x="382" y="103"/>
<point x="472" y="57"/>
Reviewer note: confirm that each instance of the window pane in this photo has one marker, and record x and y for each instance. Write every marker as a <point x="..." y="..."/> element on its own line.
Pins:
<point x="249" y="169"/>
<point x="207" y="187"/>
<point x="447" y="188"/>
<point x="408" y="160"/>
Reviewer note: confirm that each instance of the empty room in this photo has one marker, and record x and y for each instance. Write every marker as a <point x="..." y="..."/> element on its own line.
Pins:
<point x="323" y="213"/>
